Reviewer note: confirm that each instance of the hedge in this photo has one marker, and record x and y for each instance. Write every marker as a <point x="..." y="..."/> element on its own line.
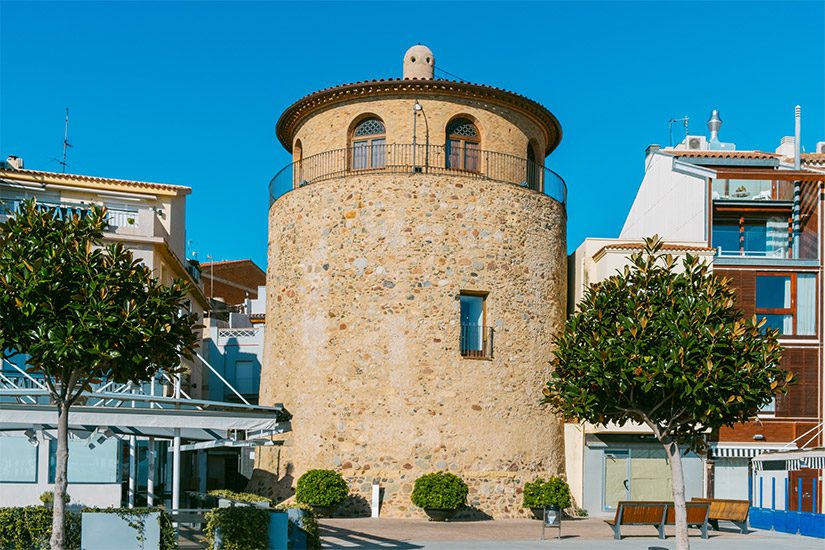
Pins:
<point x="242" y="527"/>
<point x="30" y="527"/>
<point x="321" y="488"/>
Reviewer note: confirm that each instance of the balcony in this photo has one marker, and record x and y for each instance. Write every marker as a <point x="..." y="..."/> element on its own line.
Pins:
<point x="476" y="342"/>
<point x="742" y="190"/>
<point x="418" y="159"/>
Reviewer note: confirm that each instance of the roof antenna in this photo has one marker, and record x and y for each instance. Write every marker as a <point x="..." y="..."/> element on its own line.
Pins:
<point x="63" y="163"/>
<point x="670" y="122"/>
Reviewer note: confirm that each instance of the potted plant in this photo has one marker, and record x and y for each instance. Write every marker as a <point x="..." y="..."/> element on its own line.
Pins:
<point x="553" y="493"/>
<point x="324" y="490"/>
<point x="440" y="495"/>
<point x="47" y="498"/>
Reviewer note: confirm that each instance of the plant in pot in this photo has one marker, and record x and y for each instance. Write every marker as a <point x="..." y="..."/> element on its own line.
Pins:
<point x="440" y="495"/>
<point x="47" y="498"/>
<point x="324" y="490"/>
<point x="552" y="493"/>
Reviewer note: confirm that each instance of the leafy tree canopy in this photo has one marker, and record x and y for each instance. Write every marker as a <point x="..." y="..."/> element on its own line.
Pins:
<point x="666" y="347"/>
<point x="83" y="312"/>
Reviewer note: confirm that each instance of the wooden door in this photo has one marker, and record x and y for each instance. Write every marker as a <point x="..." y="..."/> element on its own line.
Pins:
<point x="808" y="477"/>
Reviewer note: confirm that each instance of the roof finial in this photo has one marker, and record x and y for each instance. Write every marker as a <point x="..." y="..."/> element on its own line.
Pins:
<point x="419" y="62"/>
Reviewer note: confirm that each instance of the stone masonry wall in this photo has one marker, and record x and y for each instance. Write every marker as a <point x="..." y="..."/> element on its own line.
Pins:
<point x="363" y="336"/>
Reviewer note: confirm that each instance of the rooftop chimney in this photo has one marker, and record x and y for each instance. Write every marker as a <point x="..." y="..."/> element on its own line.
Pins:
<point x="419" y="62"/>
<point x="714" y="123"/>
<point x="797" y="158"/>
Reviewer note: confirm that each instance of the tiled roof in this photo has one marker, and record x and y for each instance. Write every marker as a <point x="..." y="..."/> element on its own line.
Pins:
<point x="295" y="113"/>
<point x="37" y="175"/>
<point x="640" y="246"/>
<point x="226" y="262"/>
<point x="721" y="154"/>
<point x="812" y="158"/>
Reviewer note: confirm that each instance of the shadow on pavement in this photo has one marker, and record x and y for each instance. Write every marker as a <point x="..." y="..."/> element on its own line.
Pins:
<point x="337" y="537"/>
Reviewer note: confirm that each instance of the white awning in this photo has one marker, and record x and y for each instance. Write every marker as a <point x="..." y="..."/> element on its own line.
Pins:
<point x="151" y="416"/>
<point x="794" y="460"/>
<point x="740" y="451"/>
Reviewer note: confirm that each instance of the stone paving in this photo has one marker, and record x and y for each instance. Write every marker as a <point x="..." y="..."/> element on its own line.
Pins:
<point x="516" y="534"/>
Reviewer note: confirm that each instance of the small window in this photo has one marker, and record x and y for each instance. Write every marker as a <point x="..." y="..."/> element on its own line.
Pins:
<point x="463" y="145"/>
<point x="788" y="302"/>
<point x="369" y="144"/>
<point x="476" y="339"/>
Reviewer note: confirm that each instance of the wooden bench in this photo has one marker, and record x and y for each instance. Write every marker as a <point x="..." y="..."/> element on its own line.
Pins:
<point x="657" y="514"/>
<point x="734" y="511"/>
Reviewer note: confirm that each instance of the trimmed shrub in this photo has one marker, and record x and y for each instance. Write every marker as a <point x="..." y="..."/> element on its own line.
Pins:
<point x="552" y="492"/>
<point x="47" y="498"/>
<point x="321" y="488"/>
<point x="250" y="498"/>
<point x="242" y="527"/>
<point x="440" y="490"/>
<point x="30" y="527"/>
<point x="310" y="524"/>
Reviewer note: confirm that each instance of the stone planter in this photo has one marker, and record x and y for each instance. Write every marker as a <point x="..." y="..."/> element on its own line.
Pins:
<point x="440" y="514"/>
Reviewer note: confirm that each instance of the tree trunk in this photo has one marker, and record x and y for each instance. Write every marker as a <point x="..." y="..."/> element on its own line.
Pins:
<point x="672" y="450"/>
<point x="58" y="540"/>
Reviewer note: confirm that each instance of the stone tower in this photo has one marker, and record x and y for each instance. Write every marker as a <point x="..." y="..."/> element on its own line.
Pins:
<point x="417" y="274"/>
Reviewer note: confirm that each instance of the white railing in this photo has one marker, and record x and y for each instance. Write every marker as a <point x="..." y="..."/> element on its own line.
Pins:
<point x="239" y="332"/>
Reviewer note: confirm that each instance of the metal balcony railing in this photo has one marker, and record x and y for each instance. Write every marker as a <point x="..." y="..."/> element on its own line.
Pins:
<point x="418" y="159"/>
<point x="476" y="341"/>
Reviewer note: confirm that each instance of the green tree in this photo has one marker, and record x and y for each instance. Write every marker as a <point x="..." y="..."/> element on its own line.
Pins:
<point x="82" y="313"/>
<point x="667" y="348"/>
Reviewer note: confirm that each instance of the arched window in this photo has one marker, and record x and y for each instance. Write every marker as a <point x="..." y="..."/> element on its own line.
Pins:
<point x="533" y="169"/>
<point x="463" y="145"/>
<point x="369" y="144"/>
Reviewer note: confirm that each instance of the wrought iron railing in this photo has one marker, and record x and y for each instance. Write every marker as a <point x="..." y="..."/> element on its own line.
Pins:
<point x="418" y="159"/>
<point x="476" y="341"/>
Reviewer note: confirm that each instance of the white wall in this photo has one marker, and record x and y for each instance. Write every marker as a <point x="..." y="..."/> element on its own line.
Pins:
<point x="669" y="204"/>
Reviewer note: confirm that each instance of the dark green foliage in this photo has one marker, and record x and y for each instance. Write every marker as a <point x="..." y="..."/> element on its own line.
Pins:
<point x="82" y="312"/>
<point x="242" y="527"/>
<point x="321" y="488"/>
<point x="239" y="497"/>
<point x="667" y="349"/>
<point x="309" y="523"/>
<point x="440" y="490"/>
<point x="29" y="528"/>
<point x="541" y="493"/>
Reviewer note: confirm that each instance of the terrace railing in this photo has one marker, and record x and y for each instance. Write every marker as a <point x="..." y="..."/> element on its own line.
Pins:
<point x="476" y="341"/>
<point x="418" y="159"/>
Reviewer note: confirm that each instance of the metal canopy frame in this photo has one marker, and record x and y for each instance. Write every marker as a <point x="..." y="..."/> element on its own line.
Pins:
<point x="126" y="412"/>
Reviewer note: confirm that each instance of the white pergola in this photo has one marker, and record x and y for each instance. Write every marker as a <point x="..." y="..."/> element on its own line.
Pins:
<point x="123" y="414"/>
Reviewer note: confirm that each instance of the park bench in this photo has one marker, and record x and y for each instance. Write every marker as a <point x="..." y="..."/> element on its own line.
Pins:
<point x="734" y="511"/>
<point x="657" y="514"/>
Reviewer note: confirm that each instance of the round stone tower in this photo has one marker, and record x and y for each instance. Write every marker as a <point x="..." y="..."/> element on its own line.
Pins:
<point x="416" y="277"/>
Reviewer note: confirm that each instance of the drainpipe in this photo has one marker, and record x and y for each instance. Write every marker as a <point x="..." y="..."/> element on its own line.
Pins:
<point x="797" y="186"/>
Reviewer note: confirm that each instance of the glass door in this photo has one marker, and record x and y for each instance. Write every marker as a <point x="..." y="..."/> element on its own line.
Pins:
<point x="616" y="477"/>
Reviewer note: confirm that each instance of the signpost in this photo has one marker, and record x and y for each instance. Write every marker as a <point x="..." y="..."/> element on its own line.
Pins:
<point x="552" y="518"/>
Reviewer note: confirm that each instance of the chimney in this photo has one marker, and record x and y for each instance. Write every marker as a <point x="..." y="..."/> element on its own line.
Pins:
<point x="797" y="158"/>
<point x="786" y="147"/>
<point x="714" y="123"/>
<point x="820" y="147"/>
<point x="15" y="163"/>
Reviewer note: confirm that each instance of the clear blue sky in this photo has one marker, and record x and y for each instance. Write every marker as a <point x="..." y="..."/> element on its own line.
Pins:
<point x="189" y="93"/>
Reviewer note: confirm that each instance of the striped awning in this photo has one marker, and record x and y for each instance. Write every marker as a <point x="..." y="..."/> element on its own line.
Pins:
<point x="794" y="459"/>
<point x="739" y="451"/>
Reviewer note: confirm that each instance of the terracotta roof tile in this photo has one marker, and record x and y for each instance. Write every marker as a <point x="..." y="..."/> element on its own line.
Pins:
<point x="812" y="158"/>
<point x="35" y="174"/>
<point x="722" y="154"/>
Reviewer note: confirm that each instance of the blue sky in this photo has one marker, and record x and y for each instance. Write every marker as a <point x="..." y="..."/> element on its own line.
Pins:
<point x="189" y="93"/>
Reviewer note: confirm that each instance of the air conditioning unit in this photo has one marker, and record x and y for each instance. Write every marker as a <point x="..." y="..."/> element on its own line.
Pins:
<point x="696" y="143"/>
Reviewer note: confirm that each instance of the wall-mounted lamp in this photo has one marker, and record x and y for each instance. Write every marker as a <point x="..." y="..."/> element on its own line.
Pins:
<point x="32" y="437"/>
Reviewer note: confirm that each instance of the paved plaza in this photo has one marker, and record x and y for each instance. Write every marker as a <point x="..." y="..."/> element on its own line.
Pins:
<point x="518" y="534"/>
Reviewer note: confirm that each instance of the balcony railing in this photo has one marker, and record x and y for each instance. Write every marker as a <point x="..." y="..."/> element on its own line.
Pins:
<point x="116" y="217"/>
<point x="418" y="159"/>
<point x="752" y="190"/>
<point x="476" y="341"/>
